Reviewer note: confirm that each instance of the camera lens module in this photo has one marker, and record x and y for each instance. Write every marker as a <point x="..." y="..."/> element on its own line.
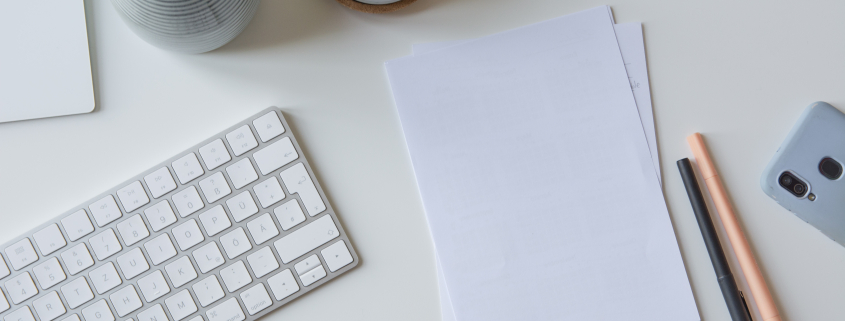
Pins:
<point x="793" y="184"/>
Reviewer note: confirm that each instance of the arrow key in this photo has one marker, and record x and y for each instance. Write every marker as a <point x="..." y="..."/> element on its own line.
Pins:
<point x="336" y="256"/>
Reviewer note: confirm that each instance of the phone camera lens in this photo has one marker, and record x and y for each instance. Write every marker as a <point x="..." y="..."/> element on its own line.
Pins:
<point x="793" y="184"/>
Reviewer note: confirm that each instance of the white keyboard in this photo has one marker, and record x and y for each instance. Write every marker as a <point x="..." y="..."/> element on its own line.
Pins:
<point x="228" y="230"/>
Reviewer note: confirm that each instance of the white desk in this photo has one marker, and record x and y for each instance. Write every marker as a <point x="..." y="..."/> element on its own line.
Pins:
<point x="740" y="73"/>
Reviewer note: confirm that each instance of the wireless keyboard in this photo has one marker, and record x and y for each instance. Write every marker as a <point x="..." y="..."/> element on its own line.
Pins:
<point x="228" y="230"/>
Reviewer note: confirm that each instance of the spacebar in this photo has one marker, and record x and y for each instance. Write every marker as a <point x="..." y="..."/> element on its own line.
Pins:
<point x="305" y="239"/>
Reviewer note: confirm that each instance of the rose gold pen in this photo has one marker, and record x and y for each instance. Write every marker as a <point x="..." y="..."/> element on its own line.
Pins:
<point x="759" y="289"/>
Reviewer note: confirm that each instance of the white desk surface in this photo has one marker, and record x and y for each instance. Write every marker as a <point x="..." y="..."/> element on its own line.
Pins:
<point x="740" y="72"/>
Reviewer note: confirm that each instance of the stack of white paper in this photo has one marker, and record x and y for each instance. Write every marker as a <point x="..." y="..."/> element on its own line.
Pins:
<point x="535" y="156"/>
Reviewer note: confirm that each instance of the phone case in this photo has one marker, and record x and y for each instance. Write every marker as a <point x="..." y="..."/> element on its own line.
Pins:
<point x="819" y="133"/>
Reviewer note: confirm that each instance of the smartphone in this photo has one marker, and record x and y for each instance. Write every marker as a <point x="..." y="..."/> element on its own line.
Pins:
<point x="806" y="174"/>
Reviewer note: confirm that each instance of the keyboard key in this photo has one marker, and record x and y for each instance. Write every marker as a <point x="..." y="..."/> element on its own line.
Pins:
<point x="215" y="187"/>
<point x="208" y="257"/>
<point x="214" y="154"/>
<point x="49" y="307"/>
<point x="187" y="201"/>
<point x="336" y="256"/>
<point x="4" y="304"/>
<point x="4" y="269"/>
<point x="105" y="211"/>
<point x="241" y="140"/>
<point x="241" y="173"/>
<point x="289" y="214"/>
<point x="305" y="239"/>
<point x="153" y="286"/>
<point x="125" y="301"/>
<point x="133" y="229"/>
<point x="21" y="288"/>
<point x="215" y="220"/>
<point x="181" y="271"/>
<point x="99" y="311"/>
<point x="235" y="276"/>
<point x="22" y="314"/>
<point x="132" y="196"/>
<point x="299" y="182"/>
<point x="77" y="259"/>
<point x="235" y="243"/>
<point x="188" y="234"/>
<point x="187" y="168"/>
<point x="160" y="182"/>
<point x="269" y="192"/>
<point x="105" y="278"/>
<point x="283" y="284"/>
<point x="21" y="254"/>
<point x="256" y="299"/>
<point x="268" y="126"/>
<point x="49" y="239"/>
<point x="208" y="290"/>
<point x="181" y="305"/>
<point x="132" y="263"/>
<point x="262" y="262"/>
<point x="262" y="228"/>
<point x="77" y="293"/>
<point x="49" y="273"/>
<point x="307" y="264"/>
<point x="160" y="249"/>
<point x="275" y="156"/>
<point x="160" y="215"/>
<point x="77" y="225"/>
<point x="313" y="276"/>
<point x="72" y="317"/>
<point x="105" y="244"/>
<point x="229" y="310"/>
<point x="155" y="313"/>
<point x="241" y="206"/>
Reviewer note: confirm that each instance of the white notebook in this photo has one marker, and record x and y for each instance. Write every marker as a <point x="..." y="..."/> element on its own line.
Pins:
<point x="45" y="69"/>
<point x="537" y="179"/>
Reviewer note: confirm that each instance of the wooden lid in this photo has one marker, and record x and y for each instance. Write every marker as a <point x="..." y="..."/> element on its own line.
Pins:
<point x="375" y="8"/>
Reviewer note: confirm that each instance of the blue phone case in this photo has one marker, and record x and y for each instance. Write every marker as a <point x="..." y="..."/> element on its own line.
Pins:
<point x="819" y="133"/>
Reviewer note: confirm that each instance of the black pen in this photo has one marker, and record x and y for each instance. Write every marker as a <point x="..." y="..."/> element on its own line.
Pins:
<point x="736" y="306"/>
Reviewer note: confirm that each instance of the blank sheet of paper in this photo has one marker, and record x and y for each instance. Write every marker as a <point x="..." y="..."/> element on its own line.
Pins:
<point x="537" y="178"/>
<point x="631" y="45"/>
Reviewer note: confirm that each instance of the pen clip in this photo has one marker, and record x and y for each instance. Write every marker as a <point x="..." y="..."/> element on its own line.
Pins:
<point x="745" y="304"/>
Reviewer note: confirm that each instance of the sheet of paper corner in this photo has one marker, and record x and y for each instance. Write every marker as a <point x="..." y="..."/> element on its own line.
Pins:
<point x="630" y="40"/>
<point x="631" y="45"/>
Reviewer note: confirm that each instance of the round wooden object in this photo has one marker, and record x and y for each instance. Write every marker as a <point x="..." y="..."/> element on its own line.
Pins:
<point x="375" y="8"/>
